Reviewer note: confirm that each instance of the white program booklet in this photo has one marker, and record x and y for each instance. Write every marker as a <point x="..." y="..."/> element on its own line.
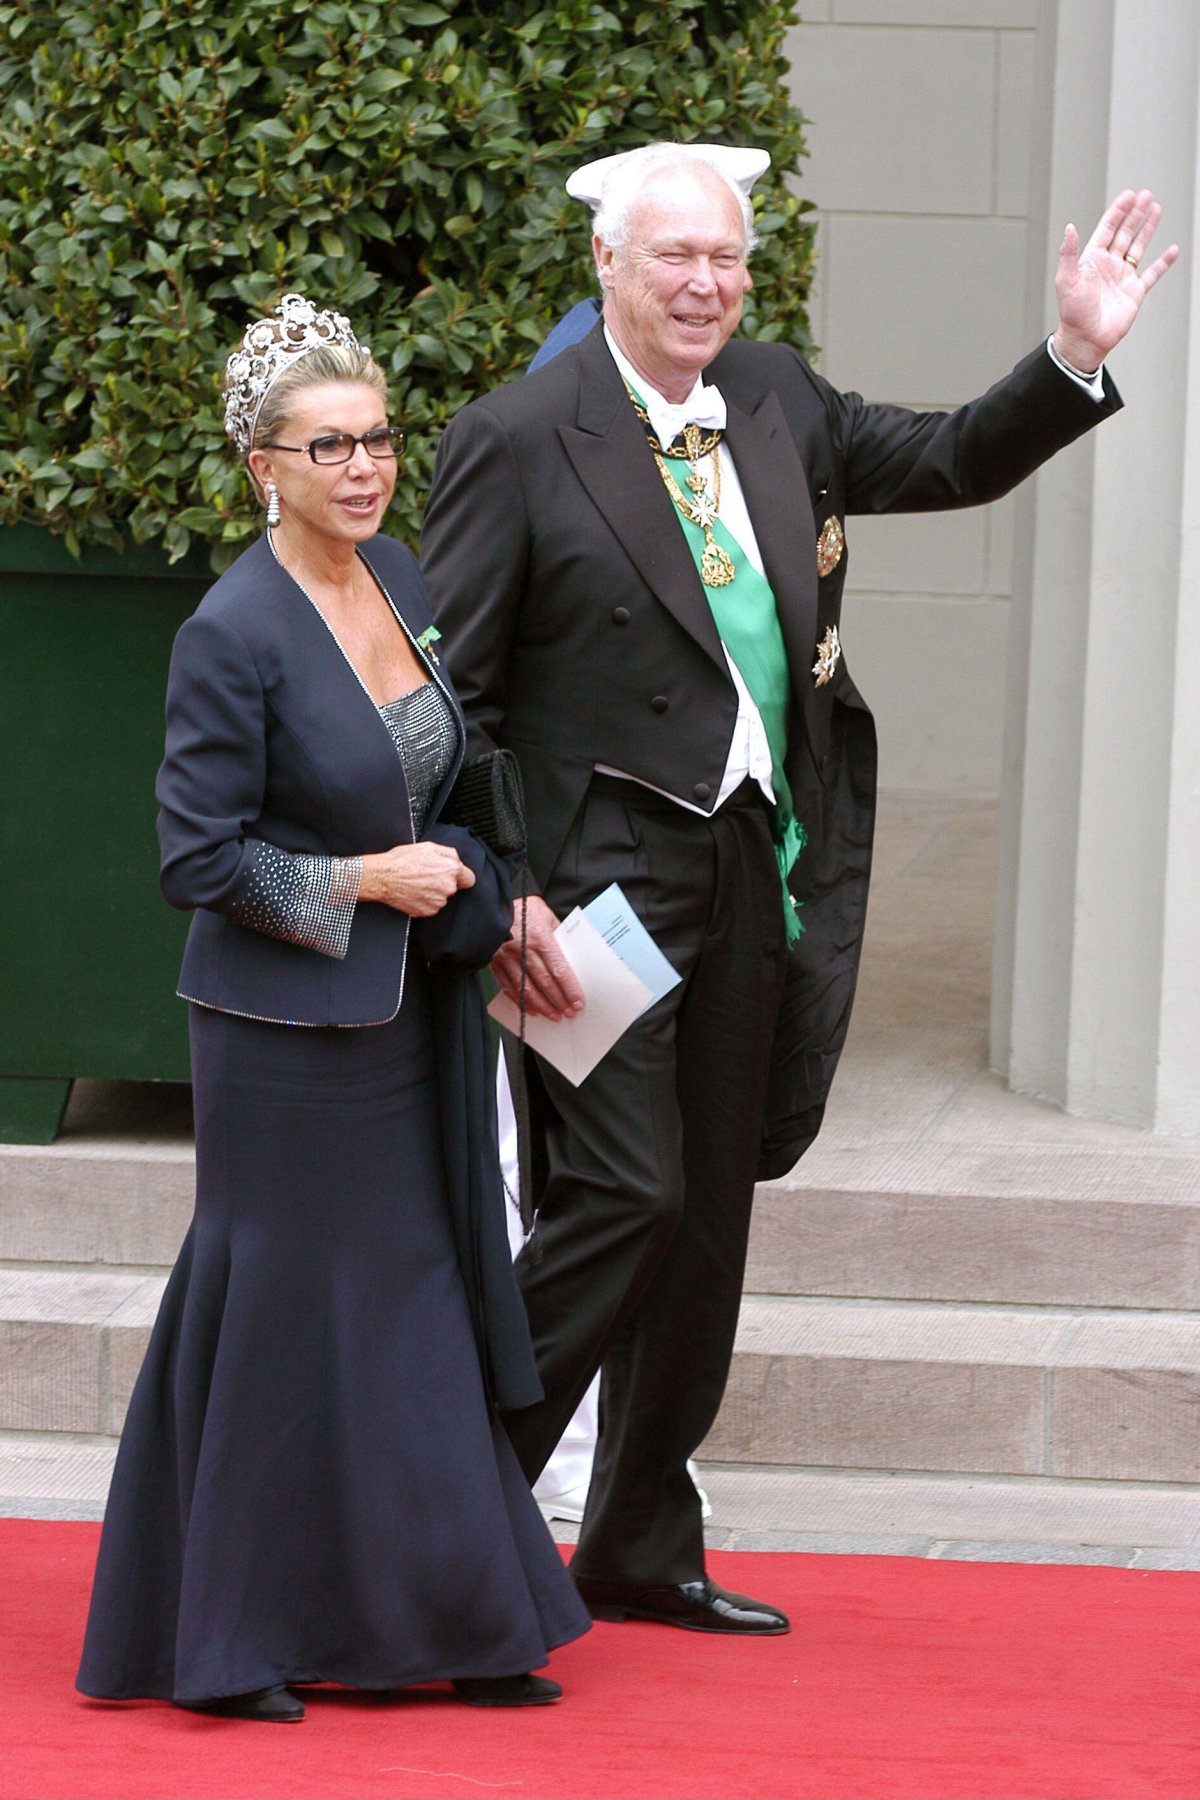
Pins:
<point x="622" y="971"/>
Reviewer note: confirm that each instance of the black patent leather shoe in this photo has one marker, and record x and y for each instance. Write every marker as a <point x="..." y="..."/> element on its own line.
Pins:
<point x="693" y="1605"/>
<point x="508" y="1690"/>
<point x="273" y="1705"/>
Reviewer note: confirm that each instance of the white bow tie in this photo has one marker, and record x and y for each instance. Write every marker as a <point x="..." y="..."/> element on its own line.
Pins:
<point x="704" y="406"/>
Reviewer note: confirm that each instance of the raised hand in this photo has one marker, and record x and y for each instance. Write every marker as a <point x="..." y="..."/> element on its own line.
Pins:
<point x="1101" y="287"/>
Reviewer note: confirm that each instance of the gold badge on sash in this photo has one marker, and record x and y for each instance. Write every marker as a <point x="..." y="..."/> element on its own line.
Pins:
<point x="830" y="545"/>
<point x="828" y="652"/>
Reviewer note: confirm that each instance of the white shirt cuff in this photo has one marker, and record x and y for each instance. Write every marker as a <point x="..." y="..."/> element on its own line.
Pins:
<point x="1091" y="384"/>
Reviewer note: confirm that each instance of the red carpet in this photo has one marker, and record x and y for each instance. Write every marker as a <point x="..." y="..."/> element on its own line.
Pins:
<point x="902" y="1679"/>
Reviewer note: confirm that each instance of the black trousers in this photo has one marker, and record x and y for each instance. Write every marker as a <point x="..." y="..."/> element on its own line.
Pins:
<point x="648" y="1173"/>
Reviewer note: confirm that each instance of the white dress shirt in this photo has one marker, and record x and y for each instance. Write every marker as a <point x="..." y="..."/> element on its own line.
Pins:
<point x="749" y="752"/>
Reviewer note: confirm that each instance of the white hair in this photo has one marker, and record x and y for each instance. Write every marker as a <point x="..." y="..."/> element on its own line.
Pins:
<point x="623" y="189"/>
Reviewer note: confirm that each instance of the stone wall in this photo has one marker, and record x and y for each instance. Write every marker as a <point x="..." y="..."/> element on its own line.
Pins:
<point x="920" y="123"/>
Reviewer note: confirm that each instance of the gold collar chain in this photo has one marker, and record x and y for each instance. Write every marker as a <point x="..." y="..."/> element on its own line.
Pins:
<point x="702" y="509"/>
<point x="696" y="442"/>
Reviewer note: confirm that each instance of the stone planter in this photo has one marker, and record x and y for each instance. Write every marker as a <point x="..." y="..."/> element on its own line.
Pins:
<point x="89" y="951"/>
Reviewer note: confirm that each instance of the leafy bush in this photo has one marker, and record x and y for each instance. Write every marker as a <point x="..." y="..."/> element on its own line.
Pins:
<point x="168" y="167"/>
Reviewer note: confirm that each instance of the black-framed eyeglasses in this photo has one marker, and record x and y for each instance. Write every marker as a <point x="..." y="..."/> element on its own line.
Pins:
<point x="339" y="446"/>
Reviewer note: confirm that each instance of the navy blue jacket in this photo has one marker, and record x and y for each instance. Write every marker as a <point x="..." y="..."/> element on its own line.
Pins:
<point x="272" y="737"/>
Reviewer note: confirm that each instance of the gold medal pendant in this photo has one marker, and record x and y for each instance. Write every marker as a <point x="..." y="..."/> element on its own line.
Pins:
<point x="716" y="565"/>
<point x="717" y="568"/>
<point x="693" y="443"/>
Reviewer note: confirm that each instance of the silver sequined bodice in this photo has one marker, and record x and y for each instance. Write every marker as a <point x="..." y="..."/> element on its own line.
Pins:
<point x="425" y="732"/>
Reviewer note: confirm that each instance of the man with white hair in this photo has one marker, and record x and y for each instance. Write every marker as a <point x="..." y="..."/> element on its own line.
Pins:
<point x="636" y="558"/>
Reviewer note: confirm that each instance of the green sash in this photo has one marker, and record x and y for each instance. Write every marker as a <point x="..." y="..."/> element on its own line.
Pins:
<point x="747" y="622"/>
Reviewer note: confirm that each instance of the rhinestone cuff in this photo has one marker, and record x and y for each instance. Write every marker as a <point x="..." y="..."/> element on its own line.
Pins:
<point x="307" y="900"/>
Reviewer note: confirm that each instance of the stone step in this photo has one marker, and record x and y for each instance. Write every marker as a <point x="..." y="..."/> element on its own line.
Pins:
<point x="854" y="1385"/>
<point x="1029" y="1228"/>
<point x="71" y="1345"/>
<point x="1081" y="1229"/>
<point x="983" y="1517"/>
<point x="974" y="1390"/>
<point x="46" y="1476"/>
<point x="124" y="1203"/>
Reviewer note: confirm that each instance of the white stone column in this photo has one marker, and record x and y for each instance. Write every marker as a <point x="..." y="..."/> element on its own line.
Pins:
<point x="1096" y="993"/>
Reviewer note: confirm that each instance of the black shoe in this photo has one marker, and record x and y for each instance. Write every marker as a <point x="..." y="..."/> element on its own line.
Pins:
<point x="274" y="1705"/>
<point x="507" y="1690"/>
<point x="694" y="1605"/>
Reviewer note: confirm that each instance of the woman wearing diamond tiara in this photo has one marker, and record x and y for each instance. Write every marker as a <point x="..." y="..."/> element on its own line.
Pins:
<point x="312" y="1483"/>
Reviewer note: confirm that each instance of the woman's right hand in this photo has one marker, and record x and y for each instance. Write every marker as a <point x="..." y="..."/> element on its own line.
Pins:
<point x="414" y="878"/>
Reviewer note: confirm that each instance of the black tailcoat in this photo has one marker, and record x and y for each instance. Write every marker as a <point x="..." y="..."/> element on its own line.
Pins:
<point x="579" y="634"/>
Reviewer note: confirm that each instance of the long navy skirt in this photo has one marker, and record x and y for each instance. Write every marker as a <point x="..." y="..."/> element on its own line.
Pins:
<point x="311" y="1484"/>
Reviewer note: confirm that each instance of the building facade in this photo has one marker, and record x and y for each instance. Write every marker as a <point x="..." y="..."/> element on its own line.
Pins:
<point x="1046" y="649"/>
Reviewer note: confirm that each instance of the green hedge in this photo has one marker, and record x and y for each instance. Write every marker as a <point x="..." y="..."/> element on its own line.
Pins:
<point x="169" y="166"/>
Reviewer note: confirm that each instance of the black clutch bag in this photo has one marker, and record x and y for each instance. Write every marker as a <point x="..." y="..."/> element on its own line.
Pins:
<point x="487" y="799"/>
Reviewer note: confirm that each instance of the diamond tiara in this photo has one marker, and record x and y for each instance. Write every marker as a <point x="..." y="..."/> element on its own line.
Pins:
<point x="268" y="348"/>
